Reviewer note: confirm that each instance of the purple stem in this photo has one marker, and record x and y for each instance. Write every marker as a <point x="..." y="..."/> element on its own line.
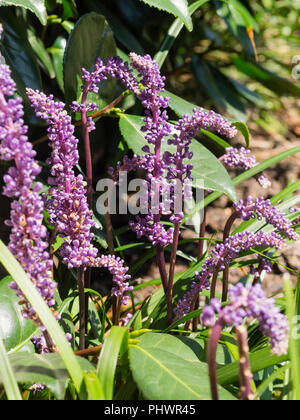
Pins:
<point x="212" y="346"/>
<point x="245" y="369"/>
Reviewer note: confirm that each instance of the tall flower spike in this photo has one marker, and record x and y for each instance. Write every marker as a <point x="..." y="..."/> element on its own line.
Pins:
<point x="242" y="158"/>
<point x="251" y="302"/>
<point x="67" y="202"/>
<point x="28" y="238"/>
<point x="222" y="255"/>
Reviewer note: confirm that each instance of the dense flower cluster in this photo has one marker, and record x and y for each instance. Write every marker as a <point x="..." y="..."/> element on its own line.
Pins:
<point x="165" y="168"/>
<point x="242" y="158"/>
<point x="115" y="266"/>
<point x="262" y="208"/>
<point x="251" y="302"/>
<point x="222" y="255"/>
<point x="28" y="238"/>
<point x="67" y="202"/>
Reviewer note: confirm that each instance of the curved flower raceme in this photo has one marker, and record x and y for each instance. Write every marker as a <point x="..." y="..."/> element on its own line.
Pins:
<point x="262" y="208"/>
<point x="250" y="302"/>
<point x="221" y="256"/>
<point x="165" y="169"/>
<point x="242" y="158"/>
<point x="67" y="200"/>
<point x="28" y="238"/>
<point x="115" y="266"/>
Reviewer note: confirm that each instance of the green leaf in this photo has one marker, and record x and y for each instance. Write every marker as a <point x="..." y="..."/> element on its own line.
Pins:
<point x="90" y="39"/>
<point x="57" y="50"/>
<point x="166" y="367"/>
<point x="270" y="80"/>
<point x="14" y="328"/>
<point x="181" y="107"/>
<point x="206" y="165"/>
<point x="35" y="6"/>
<point x="93" y="386"/>
<point x="115" y="344"/>
<point x="259" y="360"/>
<point x="44" y="313"/>
<point x="121" y="32"/>
<point x="6" y="372"/>
<point x="41" y="52"/>
<point x="294" y="348"/>
<point x="19" y="55"/>
<point x="178" y="8"/>
<point x="46" y="369"/>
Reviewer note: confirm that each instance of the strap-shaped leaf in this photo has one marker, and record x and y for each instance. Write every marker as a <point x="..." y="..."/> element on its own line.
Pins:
<point x="178" y="8"/>
<point x="9" y="380"/>
<point x="115" y="345"/>
<point x="44" y="313"/>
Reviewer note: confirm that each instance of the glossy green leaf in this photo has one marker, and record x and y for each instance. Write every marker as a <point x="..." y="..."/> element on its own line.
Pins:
<point x="46" y="369"/>
<point x="35" y="6"/>
<point x="14" y="329"/>
<point x="206" y="165"/>
<point x="181" y="107"/>
<point x="6" y="372"/>
<point x="46" y="316"/>
<point x="178" y="8"/>
<point x="90" y="39"/>
<point x="41" y="52"/>
<point x="168" y="367"/>
<point x="259" y="360"/>
<point x="57" y="50"/>
<point x="93" y="386"/>
<point x="115" y="345"/>
<point x="19" y="54"/>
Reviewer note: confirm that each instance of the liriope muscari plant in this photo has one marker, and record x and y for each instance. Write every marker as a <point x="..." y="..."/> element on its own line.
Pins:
<point x="69" y="204"/>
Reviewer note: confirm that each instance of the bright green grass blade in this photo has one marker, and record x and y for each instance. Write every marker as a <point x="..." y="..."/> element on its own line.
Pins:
<point x="6" y="372"/>
<point x="115" y="344"/>
<point x="44" y="313"/>
<point x="294" y="343"/>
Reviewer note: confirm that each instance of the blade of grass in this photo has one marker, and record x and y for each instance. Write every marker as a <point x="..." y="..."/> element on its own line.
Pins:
<point x="9" y="381"/>
<point x="44" y="313"/>
<point x="116" y="343"/>
<point x="294" y="344"/>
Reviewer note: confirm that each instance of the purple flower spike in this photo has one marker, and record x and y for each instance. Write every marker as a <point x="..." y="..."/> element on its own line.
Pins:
<point x="67" y="202"/>
<point x="263" y="209"/>
<point x="28" y="238"/>
<point x="221" y="256"/>
<point x="251" y="302"/>
<point x="242" y="158"/>
<point x="115" y="266"/>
